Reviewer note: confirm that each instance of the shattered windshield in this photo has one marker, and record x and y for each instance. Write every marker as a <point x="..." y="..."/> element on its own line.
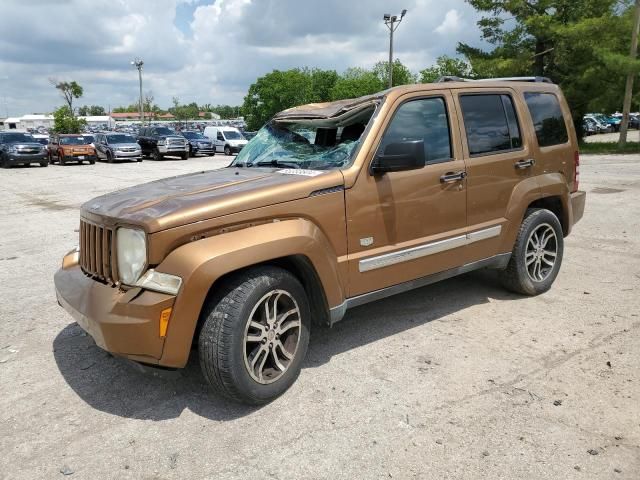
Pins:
<point x="304" y="146"/>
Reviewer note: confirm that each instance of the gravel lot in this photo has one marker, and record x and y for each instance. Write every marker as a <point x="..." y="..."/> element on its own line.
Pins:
<point x="456" y="380"/>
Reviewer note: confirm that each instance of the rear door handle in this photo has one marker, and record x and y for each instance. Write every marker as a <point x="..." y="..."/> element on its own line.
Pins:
<point x="452" y="177"/>
<point x="522" y="164"/>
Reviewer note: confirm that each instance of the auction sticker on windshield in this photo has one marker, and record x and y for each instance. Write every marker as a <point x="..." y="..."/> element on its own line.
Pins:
<point x="299" y="171"/>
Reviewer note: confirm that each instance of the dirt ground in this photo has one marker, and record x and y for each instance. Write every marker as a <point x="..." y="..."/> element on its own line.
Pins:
<point x="456" y="380"/>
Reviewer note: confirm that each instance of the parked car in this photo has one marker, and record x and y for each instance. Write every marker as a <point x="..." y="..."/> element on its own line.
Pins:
<point x="323" y="211"/>
<point x="601" y="126"/>
<point x="160" y="142"/>
<point x="198" y="143"/>
<point x="589" y="127"/>
<point x="226" y="139"/>
<point x="19" y="148"/>
<point x="91" y="138"/>
<point x="42" y="139"/>
<point x="65" y="148"/>
<point x="117" y="146"/>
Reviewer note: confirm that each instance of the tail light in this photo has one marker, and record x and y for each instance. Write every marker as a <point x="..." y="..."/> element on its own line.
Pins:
<point x="576" y="171"/>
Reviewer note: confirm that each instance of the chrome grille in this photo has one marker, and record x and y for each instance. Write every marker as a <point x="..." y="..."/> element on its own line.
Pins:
<point x="176" y="141"/>
<point x="98" y="252"/>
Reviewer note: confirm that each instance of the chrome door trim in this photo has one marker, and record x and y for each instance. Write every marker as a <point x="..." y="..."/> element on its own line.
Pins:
<point x="499" y="261"/>
<point x="387" y="259"/>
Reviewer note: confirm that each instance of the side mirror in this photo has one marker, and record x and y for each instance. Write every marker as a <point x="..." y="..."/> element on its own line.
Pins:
<point x="399" y="157"/>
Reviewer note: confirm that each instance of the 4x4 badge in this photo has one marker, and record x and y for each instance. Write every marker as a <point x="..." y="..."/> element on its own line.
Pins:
<point x="366" y="242"/>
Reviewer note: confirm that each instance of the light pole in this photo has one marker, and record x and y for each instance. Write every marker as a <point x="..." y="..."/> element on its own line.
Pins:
<point x="392" y="22"/>
<point x="138" y="63"/>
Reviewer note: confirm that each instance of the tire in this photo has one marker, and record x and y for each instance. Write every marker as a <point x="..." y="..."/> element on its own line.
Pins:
<point x="539" y="275"/>
<point x="157" y="155"/>
<point x="139" y="160"/>
<point x="91" y="162"/>
<point x="44" y="164"/>
<point x="50" y="159"/>
<point x="62" y="161"/>
<point x="191" y="154"/>
<point x="185" y="156"/>
<point x="3" y="162"/>
<point x="109" y="157"/>
<point x="222" y="342"/>
<point x="227" y="150"/>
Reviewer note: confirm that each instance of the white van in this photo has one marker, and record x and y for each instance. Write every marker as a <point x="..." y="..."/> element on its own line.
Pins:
<point x="226" y="139"/>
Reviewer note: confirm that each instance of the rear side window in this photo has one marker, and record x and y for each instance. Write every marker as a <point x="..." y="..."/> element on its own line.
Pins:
<point x="547" y="117"/>
<point x="423" y="119"/>
<point x="491" y="123"/>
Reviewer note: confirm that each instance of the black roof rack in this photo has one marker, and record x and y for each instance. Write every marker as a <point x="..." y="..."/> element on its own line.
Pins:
<point x="451" y="78"/>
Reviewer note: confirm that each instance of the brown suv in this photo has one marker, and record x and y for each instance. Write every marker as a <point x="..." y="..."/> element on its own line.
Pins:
<point x="328" y="207"/>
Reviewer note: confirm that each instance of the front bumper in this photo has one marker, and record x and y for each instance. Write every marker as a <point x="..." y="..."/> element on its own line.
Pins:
<point x="79" y="157"/>
<point x="125" y="323"/>
<point x="171" y="149"/>
<point x="17" y="158"/>
<point x="127" y="155"/>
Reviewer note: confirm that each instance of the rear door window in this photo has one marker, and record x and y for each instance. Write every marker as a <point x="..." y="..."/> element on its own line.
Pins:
<point x="491" y="123"/>
<point x="548" y="120"/>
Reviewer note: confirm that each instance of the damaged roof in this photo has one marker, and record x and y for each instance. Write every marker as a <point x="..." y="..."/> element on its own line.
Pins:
<point x="328" y="110"/>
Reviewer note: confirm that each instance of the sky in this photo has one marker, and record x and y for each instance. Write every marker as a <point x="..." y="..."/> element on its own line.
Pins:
<point x="205" y="51"/>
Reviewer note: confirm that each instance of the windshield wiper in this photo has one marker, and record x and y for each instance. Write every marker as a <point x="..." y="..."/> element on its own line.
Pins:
<point x="275" y="163"/>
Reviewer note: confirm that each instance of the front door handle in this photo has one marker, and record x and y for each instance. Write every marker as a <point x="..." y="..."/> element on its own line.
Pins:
<point x="522" y="164"/>
<point x="452" y="177"/>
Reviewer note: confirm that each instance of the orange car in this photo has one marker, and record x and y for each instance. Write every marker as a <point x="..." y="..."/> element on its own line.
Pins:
<point x="65" y="148"/>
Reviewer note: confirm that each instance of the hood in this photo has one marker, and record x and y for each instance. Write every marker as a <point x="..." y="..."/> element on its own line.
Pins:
<point x="177" y="201"/>
<point x="25" y="145"/>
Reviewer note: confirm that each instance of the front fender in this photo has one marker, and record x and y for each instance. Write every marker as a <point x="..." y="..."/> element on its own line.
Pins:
<point x="202" y="262"/>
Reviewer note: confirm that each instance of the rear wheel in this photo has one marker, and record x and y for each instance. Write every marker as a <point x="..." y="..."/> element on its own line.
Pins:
<point x="255" y="335"/>
<point x="537" y="254"/>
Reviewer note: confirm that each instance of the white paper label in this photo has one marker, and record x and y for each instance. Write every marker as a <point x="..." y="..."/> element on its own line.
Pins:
<point x="299" y="171"/>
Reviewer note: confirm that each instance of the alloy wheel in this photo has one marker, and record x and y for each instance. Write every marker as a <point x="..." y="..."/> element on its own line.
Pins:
<point x="271" y="337"/>
<point x="541" y="252"/>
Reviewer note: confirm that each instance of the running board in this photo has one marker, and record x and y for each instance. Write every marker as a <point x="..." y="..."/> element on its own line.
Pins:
<point x="337" y="313"/>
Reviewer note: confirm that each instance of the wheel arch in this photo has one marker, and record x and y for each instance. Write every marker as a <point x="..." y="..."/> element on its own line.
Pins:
<point x="296" y="245"/>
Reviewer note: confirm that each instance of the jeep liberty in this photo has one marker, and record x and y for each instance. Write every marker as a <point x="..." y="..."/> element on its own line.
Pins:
<point x="328" y="207"/>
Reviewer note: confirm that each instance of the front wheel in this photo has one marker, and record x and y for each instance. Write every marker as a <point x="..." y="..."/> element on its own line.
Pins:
<point x="255" y="335"/>
<point x="184" y="156"/>
<point x="537" y="254"/>
<point x="157" y="155"/>
<point x="227" y="150"/>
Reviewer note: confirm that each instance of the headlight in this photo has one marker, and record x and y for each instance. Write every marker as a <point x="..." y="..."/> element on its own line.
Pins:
<point x="131" y="246"/>
<point x="13" y="149"/>
<point x="161" y="142"/>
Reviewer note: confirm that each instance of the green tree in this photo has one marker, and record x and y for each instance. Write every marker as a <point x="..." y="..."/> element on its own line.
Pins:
<point x="65" y="122"/>
<point x="273" y="92"/>
<point x="356" y="82"/>
<point x="580" y="44"/>
<point x="401" y="74"/>
<point x="322" y="81"/>
<point x="446" y="66"/>
<point x="69" y="91"/>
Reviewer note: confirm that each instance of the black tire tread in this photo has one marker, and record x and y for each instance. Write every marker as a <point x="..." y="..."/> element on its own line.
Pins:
<point x="222" y="311"/>
<point x="510" y="277"/>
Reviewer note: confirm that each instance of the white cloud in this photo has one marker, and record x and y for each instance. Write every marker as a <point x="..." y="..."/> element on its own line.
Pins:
<point x="230" y="44"/>
<point x="451" y="23"/>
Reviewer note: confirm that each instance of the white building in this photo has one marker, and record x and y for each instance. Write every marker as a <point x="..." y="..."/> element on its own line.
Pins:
<point x="98" y="120"/>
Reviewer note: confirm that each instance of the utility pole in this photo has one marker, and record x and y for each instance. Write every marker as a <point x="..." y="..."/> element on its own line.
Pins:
<point x="138" y="63"/>
<point x="392" y="22"/>
<point x="626" y="106"/>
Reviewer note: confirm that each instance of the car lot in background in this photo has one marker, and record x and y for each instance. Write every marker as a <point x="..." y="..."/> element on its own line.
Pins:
<point x="490" y="384"/>
<point x="160" y="141"/>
